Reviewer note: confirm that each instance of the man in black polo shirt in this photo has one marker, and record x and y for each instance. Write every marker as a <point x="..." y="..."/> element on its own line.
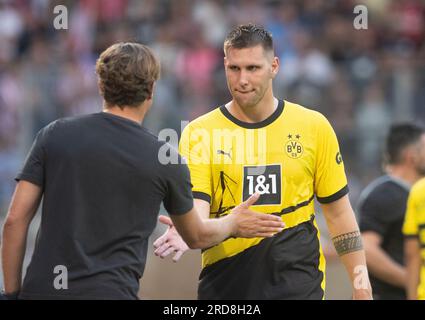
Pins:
<point x="102" y="184"/>
<point x="382" y="207"/>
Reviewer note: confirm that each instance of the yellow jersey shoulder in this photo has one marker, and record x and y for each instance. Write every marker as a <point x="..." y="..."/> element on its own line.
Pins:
<point x="417" y="195"/>
<point x="207" y="120"/>
<point x="418" y="189"/>
<point x="307" y="116"/>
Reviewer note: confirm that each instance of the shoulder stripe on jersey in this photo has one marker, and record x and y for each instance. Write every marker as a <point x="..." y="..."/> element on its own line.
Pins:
<point x="202" y="196"/>
<point x="335" y="196"/>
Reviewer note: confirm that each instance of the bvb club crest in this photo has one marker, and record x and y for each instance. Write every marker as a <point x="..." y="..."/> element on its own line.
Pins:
<point x="293" y="147"/>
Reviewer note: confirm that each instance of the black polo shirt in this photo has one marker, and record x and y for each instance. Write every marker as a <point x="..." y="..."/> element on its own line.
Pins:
<point x="102" y="187"/>
<point x="382" y="207"/>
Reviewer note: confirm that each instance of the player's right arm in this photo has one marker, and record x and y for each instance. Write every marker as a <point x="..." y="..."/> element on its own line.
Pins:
<point x="171" y="242"/>
<point x="23" y="207"/>
<point x="24" y="204"/>
<point x="379" y="263"/>
<point x="199" y="231"/>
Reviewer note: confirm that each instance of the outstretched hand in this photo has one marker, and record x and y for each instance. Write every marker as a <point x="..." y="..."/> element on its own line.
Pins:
<point x="251" y="224"/>
<point x="170" y="242"/>
<point x="244" y="222"/>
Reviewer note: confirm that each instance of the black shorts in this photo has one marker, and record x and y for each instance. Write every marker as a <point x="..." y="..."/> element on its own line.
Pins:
<point x="285" y="266"/>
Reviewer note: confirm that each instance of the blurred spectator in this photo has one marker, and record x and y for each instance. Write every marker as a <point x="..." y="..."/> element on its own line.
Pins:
<point x="372" y="120"/>
<point x="209" y="15"/>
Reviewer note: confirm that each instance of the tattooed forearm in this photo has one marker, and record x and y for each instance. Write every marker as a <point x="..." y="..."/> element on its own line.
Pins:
<point x="348" y="242"/>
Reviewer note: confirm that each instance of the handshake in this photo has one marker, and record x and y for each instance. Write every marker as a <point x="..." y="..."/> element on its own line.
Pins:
<point x="242" y="221"/>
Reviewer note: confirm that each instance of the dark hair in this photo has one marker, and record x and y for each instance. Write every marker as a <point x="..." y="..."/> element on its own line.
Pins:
<point x="247" y="36"/>
<point x="126" y="74"/>
<point x="399" y="137"/>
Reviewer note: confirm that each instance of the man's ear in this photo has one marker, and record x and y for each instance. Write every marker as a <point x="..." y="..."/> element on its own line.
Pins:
<point x="275" y="67"/>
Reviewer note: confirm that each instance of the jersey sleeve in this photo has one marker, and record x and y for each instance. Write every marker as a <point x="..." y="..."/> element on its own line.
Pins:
<point x="34" y="165"/>
<point x="330" y="182"/>
<point x="410" y="225"/>
<point x="195" y="148"/>
<point x="178" y="196"/>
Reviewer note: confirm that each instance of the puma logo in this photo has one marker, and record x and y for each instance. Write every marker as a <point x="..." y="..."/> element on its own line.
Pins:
<point x="225" y="153"/>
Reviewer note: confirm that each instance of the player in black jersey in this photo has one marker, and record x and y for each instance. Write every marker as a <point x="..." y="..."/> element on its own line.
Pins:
<point x="382" y="207"/>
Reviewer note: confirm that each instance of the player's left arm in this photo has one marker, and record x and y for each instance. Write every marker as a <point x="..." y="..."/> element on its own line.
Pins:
<point x="23" y="207"/>
<point x="346" y="238"/>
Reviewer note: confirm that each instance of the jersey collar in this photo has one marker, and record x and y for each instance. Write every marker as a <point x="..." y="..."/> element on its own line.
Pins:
<point x="256" y="125"/>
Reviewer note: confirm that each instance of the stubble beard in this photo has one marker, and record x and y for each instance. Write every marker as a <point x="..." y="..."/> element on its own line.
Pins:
<point x="252" y="102"/>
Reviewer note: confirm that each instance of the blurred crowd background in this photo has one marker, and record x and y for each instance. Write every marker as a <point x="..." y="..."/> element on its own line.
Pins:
<point x="361" y="80"/>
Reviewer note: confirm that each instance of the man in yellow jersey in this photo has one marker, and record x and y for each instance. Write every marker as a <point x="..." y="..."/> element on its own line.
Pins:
<point x="414" y="231"/>
<point x="287" y="153"/>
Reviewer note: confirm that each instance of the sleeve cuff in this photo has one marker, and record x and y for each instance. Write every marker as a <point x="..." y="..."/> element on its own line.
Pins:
<point x="180" y="211"/>
<point x="333" y="197"/>
<point x="202" y="196"/>
<point x="29" y="178"/>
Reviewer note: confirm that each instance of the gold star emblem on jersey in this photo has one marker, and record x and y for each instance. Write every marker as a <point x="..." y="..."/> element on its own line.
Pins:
<point x="293" y="147"/>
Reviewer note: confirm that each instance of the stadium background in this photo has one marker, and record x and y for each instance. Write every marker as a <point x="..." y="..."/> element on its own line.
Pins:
<point x="362" y="80"/>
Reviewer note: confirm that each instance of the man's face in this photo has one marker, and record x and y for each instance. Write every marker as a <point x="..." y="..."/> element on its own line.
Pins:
<point x="420" y="156"/>
<point x="249" y="73"/>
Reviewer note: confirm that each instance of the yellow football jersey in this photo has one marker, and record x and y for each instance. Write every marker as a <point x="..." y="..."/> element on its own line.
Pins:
<point x="414" y="225"/>
<point x="288" y="158"/>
